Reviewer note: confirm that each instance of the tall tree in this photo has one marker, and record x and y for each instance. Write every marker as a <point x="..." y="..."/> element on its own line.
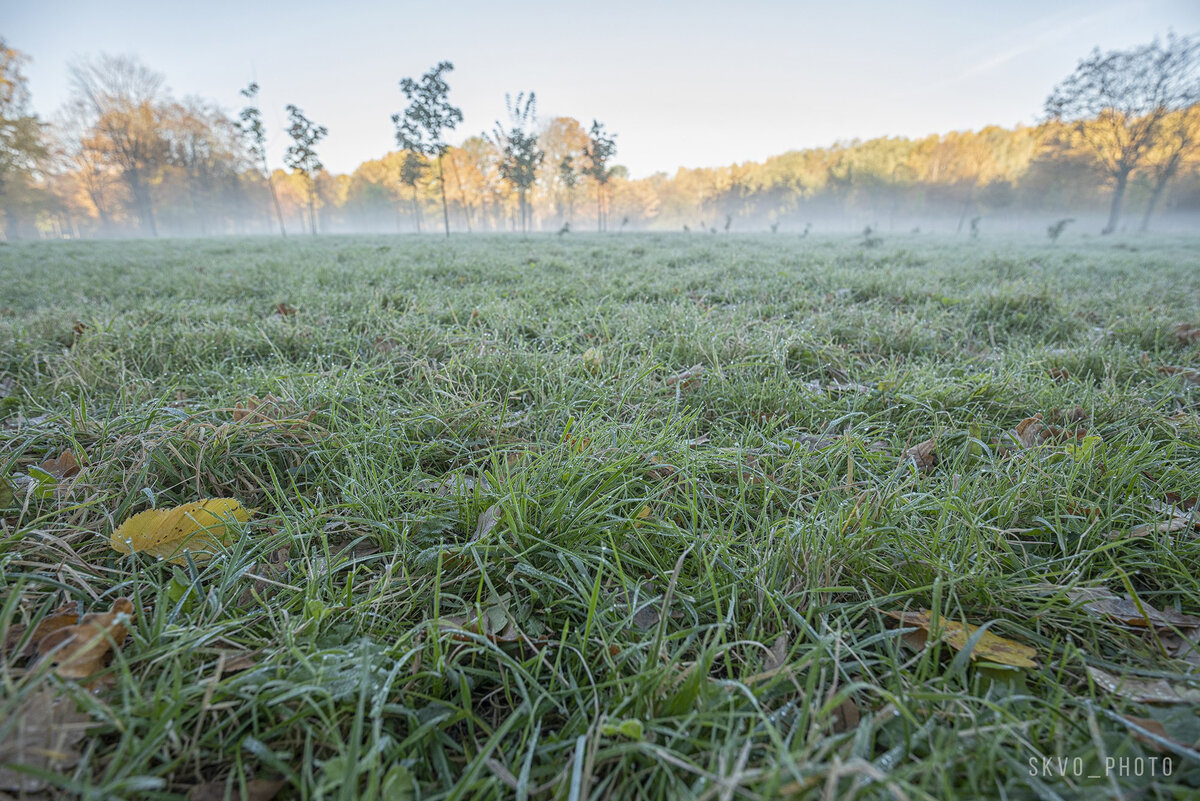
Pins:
<point x="301" y="156"/>
<point x="412" y="169"/>
<point x="600" y="149"/>
<point x="422" y="126"/>
<point x="1118" y="101"/>
<point x="254" y="138"/>
<point x="568" y="177"/>
<point x="124" y="99"/>
<point x="520" y="155"/>
<point x="1178" y="145"/>
<point x="22" y="145"/>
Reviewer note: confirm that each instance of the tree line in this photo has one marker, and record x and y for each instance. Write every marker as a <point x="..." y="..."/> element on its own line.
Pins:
<point x="123" y="157"/>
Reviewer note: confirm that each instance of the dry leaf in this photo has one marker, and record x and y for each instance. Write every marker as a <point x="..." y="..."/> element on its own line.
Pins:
<point x="47" y="729"/>
<point x="845" y="716"/>
<point x="989" y="646"/>
<point x="688" y="377"/>
<point x="256" y="790"/>
<point x="1186" y="333"/>
<point x="284" y="309"/>
<point x="64" y="466"/>
<point x="923" y="454"/>
<point x="1125" y="610"/>
<point x="592" y="359"/>
<point x="1187" y="374"/>
<point x="1178" y="519"/>
<point x="66" y="615"/>
<point x="201" y="528"/>
<point x="1059" y="374"/>
<point x="1144" y="691"/>
<point x="487" y="521"/>
<point x="80" y="650"/>
<point x="1158" y="730"/>
<point x="1030" y="432"/>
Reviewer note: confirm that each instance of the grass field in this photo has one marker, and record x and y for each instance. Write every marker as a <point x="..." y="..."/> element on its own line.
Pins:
<point x="506" y="542"/>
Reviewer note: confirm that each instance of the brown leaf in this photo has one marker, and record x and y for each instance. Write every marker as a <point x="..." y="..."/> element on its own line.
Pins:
<point x="65" y="615"/>
<point x="81" y="650"/>
<point x="1059" y="374"/>
<point x="1187" y="374"/>
<point x="64" y="466"/>
<point x="923" y="454"/>
<point x="1158" y="730"/>
<point x="1144" y="691"/>
<point x="1178" y="520"/>
<point x="1125" y="610"/>
<point x="688" y="377"/>
<point x="284" y="309"/>
<point x="256" y="790"/>
<point x="1186" y="333"/>
<point x="845" y="716"/>
<point x="47" y="729"/>
<point x="989" y="646"/>
<point x="1030" y="432"/>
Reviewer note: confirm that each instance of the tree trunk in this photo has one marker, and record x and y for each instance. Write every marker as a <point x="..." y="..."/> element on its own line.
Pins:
<point x="312" y="206"/>
<point x="445" y="206"/>
<point x="462" y="194"/>
<point x="275" y="200"/>
<point x="599" y="213"/>
<point x="1159" y="185"/>
<point x="1114" y="213"/>
<point x="416" y="211"/>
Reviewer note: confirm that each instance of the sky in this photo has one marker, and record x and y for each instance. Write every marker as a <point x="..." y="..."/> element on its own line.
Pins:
<point x="683" y="84"/>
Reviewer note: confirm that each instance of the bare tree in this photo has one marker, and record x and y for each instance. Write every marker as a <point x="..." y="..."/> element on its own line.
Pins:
<point x="520" y="155"/>
<point x="422" y="126"/>
<point x="301" y="156"/>
<point x="601" y="147"/>
<point x="123" y="99"/>
<point x="1118" y="102"/>
<point x="254" y="138"/>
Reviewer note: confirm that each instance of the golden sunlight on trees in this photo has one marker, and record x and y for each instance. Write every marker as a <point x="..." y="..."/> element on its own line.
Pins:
<point x="123" y="157"/>
<point x="1121" y="104"/>
<point x="301" y="156"/>
<point x="22" y="145"/>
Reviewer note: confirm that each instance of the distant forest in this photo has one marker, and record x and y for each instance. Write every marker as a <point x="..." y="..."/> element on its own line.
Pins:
<point x="126" y="159"/>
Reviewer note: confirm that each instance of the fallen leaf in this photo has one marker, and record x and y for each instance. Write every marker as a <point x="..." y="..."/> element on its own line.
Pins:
<point x="1144" y="691"/>
<point x="1186" y="333"/>
<point x="989" y="646"/>
<point x="923" y="454"/>
<point x="777" y="655"/>
<point x="201" y="528"/>
<point x="66" y="615"/>
<point x="1187" y="374"/>
<point x="1125" y="610"/>
<point x="64" y="466"/>
<point x="592" y="359"/>
<point x="256" y="790"/>
<point x="1178" y="519"/>
<point x="1157" y="729"/>
<point x="688" y="377"/>
<point x="487" y="521"/>
<point x="845" y="716"/>
<point x="1058" y="374"/>
<point x="1030" y="432"/>
<point x="284" y="309"/>
<point x="80" y="650"/>
<point x="78" y="329"/>
<point x="44" y="735"/>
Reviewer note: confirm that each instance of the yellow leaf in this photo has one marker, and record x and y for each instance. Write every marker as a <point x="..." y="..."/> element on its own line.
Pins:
<point x="201" y="528"/>
<point x="955" y="634"/>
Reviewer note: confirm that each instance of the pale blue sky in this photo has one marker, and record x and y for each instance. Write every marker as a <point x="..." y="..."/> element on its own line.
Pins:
<point x="683" y="84"/>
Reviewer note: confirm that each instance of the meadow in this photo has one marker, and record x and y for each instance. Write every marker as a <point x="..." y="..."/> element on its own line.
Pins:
<point x="621" y="516"/>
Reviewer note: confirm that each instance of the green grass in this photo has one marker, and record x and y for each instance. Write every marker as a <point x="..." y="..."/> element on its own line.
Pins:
<point x="420" y="359"/>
